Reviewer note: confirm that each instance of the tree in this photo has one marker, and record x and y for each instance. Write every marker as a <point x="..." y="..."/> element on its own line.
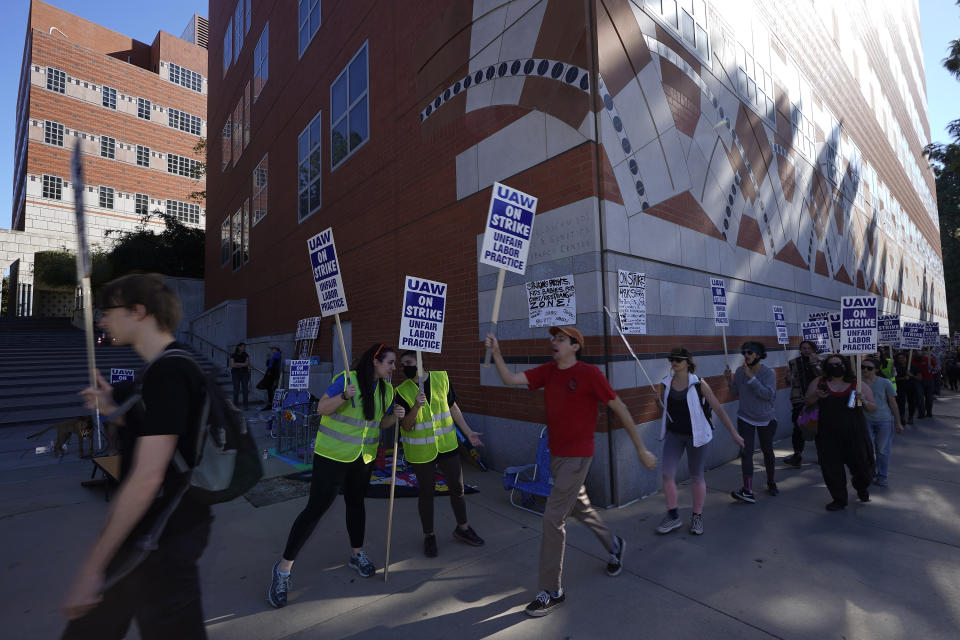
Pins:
<point x="200" y="170"/>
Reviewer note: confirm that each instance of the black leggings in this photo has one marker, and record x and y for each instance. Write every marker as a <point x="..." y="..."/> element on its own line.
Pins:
<point x="765" y="435"/>
<point x="328" y="477"/>
<point x="450" y="467"/>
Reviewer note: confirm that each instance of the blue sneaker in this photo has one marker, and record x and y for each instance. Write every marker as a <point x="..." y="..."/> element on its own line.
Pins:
<point x="361" y="564"/>
<point x="279" y="586"/>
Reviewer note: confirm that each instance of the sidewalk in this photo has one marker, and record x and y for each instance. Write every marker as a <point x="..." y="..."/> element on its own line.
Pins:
<point x="783" y="568"/>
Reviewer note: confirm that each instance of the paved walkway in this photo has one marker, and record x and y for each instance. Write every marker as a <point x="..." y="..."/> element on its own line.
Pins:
<point x="783" y="568"/>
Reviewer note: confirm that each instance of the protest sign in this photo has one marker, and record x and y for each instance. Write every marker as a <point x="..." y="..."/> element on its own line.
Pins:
<point x="818" y="333"/>
<point x="956" y="339"/>
<point x="121" y="375"/>
<point x="911" y="335"/>
<point x="835" y="322"/>
<point x="506" y="239"/>
<point x="308" y="328"/>
<point x="719" y="302"/>
<point x="858" y="318"/>
<point x="780" y="322"/>
<point x="888" y="329"/>
<point x="931" y="334"/>
<point x="552" y="302"/>
<point x="632" y="302"/>
<point x="813" y="316"/>
<point x="421" y="324"/>
<point x="326" y="273"/>
<point x="299" y="374"/>
<point x="278" y="396"/>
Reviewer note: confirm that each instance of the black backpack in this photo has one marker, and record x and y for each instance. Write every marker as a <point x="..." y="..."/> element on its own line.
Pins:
<point x="705" y="405"/>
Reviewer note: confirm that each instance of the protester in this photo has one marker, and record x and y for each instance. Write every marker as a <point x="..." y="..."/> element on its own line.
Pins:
<point x="430" y="442"/>
<point x="927" y="367"/>
<point x="353" y="412"/>
<point x="271" y="377"/>
<point x="801" y="371"/>
<point x="684" y="427"/>
<point x="240" y="371"/>
<point x="908" y="388"/>
<point x="951" y="366"/>
<point x="842" y="437"/>
<point x="756" y="386"/>
<point x="881" y="422"/>
<point x="163" y="591"/>
<point x="572" y="390"/>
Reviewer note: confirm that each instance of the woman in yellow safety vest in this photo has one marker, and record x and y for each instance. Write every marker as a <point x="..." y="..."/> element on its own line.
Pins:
<point x="346" y="445"/>
<point x="429" y="442"/>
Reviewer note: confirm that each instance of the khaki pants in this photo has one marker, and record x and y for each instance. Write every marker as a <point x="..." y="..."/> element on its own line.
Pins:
<point x="568" y="497"/>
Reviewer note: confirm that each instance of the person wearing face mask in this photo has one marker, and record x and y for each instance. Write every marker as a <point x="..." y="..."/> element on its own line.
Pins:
<point x="800" y="373"/>
<point x="842" y="437"/>
<point x="353" y="413"/>
<point x="429" y="442"/>
<point x="755" y="384"/>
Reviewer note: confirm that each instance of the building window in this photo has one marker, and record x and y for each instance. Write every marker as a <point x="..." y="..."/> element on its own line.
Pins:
<point x="260" y="191"/>
<point x="225" y="144"/>
<point x="52" y="187"/>
<point x="106" y="197"/>
<point x="183" y="121"/>
<point x="141" y="204"/>
<point x="228" y="47"/>
<point x="246" y="115"/>
<point x="309" y="164"/>
<point x="237" y="239"/>
<point x="245" y="252"/>
<point x="349" y="117"/>
<point x="754" y="82"/>
<point x="185" y="212"/>
<point x="688" y="18"/>
<point x="309" y="22"/>
<point x="225" y="241"/>
<point x="110" y="97"/>
<point x="181" y="166"/>
<point x="108" y="147"/>
<point x="261" y="66"/>
<point x="237" y="131"/>
<point x="143" y="155"/>
<point x="143" y="108"/>
<point x="185" y="77"/>
<point x="238" y="30"/>
<point x="56" y="80"/>
<point x="53" y="133"/>
<point x="246" y="28"/>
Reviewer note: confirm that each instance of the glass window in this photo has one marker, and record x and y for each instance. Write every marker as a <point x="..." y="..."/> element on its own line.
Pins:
<point x="106" y="197"/>
<point x="225" y="144"/>
<point x="688" y="19"/>
<point x="260" y="191"/>
<point x="228" y="46"/>
<point x="186" y="78"/>
<point x="108" y="147"/>
<point x="309" y="18"/>
<point x="183" y="121"/>
<point x="53" y="133"/>
<point x="261" y="66"/>
<point x="143" y="108"/>
<point x="52" y="187"/>
<point x="238" y="30"/>
<point x="143" y="155"/>
<point x="237" y="239"/>
<point x="309" y="167"/>
<point x="349" y="109"/>
<point x="246" y="232"/>
<point x="246" y="115"/>
<point x="237" y="131"/>
<point x="246" y="12"/>
<point x="181" y="166"/>
<point x="109" y="97"/>
<point x="225" y="241"/>
<point x="185" y="212"/>
<point x="141" y="204"/>
<point x="56" y="80"/>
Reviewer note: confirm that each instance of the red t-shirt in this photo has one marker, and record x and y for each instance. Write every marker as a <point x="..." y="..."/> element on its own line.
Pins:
<point x="571" y="396"/>
<point x="924" y="368"/>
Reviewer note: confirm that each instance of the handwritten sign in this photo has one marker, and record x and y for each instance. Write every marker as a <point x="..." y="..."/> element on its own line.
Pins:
<point x="300" y="374"/>
<point x="888" y="329"/>
<point x="818" y="333"/>
<point x="308" y="328"/>
<point x="858" y="318"/>
<point x="780" y="321"/>
<point x="326" y="273"/>
<point x="277" y="401"/>
<point x="632" y="302"/>
<point x="506" y="240"/>
<point x="421" y="324"/>
<point x="719" y="289"/>
<point x="911" y="335"/>
<point x="552" y="302"/>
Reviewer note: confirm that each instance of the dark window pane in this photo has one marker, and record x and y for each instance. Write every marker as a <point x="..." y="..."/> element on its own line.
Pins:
<point x="315" y="164"/>
<point x="338" y="99"/>
<point x="338" y="142"/>
<point x="316" y="130"/>
<point x="304" y="176"/>
<point x="304" y="205"/>
<point x="315" y="196"/>
<point x="358" y="124"/>
<point x="303" y="146"/>
<point x="358" y="75"/>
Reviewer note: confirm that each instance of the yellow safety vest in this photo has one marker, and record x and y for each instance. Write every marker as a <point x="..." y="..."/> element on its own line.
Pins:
<point x="346" y="434"/>
<point x="434" y="432"/>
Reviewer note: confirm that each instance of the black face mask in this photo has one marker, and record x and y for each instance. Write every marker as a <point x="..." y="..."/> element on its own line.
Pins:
<point x="835" y="370"/>
<point x="410" y="371"/>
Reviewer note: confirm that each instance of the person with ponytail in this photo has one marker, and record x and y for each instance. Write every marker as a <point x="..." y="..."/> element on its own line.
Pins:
<point x="353" y="413"/>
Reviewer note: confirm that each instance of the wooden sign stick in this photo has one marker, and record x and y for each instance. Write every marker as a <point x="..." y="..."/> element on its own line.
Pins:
<point x="346" y="359"/>
<point x="393" y="487"/>
<point x="494" y="315"/>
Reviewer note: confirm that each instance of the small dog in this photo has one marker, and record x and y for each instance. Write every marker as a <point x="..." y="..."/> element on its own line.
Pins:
<point x="82" y="426"/>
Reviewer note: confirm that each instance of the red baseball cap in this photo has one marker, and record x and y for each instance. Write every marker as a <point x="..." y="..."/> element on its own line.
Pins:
<point x="570" y="332"/>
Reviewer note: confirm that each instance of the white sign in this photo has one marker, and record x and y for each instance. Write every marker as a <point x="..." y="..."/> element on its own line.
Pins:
<point x="834" y="319"/>
<point x="506" y="240"/>
<point x="278" y="396"/>
<point x="911" y="335"/>
<point x="931" y="334"/>
<point x="888" y="329"/>
<point x="308" y="328"/>
<point x="719" y="289"/>
<point x="858" y="318"/>
<point x="818" y="333"/>
<point x="780" y="321"/>
<point x="326" y="273"/>
<point x="632" y="302"/>
<point x="552" y="302"/>
<point x="299" y="374"/>
<point x="813" y="316"/>
<point x="121" y="375"/>
<point x="421" y="324"/>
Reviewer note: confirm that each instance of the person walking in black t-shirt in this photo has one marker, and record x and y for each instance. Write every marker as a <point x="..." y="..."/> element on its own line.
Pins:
<point x="240" y="371"/>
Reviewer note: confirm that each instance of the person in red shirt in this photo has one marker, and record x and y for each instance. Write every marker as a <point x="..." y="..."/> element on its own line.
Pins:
<point x="926" y="365"/>
<point x="572" y="390"/>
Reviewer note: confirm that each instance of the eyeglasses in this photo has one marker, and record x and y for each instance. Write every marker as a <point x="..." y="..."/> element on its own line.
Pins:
<point x="677" y="359"/>
<point x="867" y="368"/>
<point x="746" y="352"/>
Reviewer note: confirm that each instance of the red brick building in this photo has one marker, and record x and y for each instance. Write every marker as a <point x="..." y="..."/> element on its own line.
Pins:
<point x="137" y="110"/>
<point x="682" y="139"/>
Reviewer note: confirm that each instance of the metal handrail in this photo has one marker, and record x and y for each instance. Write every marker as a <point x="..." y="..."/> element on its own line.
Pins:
<point x="220" y="349"/>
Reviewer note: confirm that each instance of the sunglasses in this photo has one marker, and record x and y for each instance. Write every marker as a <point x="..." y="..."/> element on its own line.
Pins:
<point x="867" y="368"/>
<point x="677" y="359"/>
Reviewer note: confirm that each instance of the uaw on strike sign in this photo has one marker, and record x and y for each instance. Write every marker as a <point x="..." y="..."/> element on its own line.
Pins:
<point x="421" y="325"/>
<point x="506" y="240"/>
<point x="326" y="273"/>
<point x="858" y="324"/>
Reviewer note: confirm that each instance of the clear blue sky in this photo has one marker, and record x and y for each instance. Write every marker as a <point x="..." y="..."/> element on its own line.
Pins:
<point x="939" y="24"/>
<point x="135" y="18"/>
